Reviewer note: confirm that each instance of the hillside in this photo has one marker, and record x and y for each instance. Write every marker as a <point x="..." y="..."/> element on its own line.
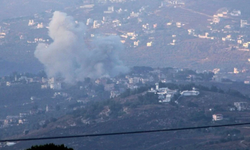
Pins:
<point x="150" y="26"/>
<point x="14" y="9"/>
<point x="143" y="112"/>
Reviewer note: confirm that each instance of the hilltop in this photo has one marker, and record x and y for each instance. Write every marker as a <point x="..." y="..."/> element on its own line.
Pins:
<point x="142" y="111"/>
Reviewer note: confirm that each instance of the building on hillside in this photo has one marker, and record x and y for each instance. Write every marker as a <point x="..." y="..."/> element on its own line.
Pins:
<point x="236" y="71"/>
<point x="8" y="83"/>
<point x="56" y="86"/>
<point x="40" y="25"/>
<point x="149" y="44"/>
<point x="217" y="117"/>
<point x="22" y="115"/>
<point x="89" y="22"/>
<point x="190" y="93"/>
<point x="235" y="13"/>
<point x="31" y="23"/>
<point x="88" y="6"/>
<point x="246" y="82"/>
<point x="44" y="86"/>
<point x="243" y="23"/>
<point x="241" y="106"/>
<point x="47" y="108"/>
<point x="96" y="24"/>
<point x="114" y="94"/>
<point x="167" y="98"/>
<point x="164" y="94"/>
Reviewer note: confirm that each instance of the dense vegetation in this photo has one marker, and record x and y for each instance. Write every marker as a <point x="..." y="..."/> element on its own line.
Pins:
<point x="50" y="146"/>
<point x="130" y="92"/>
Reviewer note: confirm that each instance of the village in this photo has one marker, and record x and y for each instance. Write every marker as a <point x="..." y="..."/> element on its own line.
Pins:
<point x="227" y="26"/>
<point x="59" y="98"/>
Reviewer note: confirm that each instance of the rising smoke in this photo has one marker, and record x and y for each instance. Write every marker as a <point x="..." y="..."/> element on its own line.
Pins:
<point x="69" y="58"/>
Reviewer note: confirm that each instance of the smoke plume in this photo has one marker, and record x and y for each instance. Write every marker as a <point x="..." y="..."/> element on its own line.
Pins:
<point x="69" y="58"/>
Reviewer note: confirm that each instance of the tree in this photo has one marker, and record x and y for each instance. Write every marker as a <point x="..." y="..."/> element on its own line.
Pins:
<point x="50" y="146"/>
<point x="58" y="107"/>
<point x="214" y="89"/>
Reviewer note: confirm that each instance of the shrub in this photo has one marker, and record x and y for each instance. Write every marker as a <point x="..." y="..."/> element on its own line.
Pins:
<point x="50" y="146"/>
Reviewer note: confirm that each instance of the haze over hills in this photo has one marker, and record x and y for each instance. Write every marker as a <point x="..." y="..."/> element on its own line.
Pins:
<point x="97" y="66"/>
<point x="163" y="25"/>
<point x="23" y="8"/>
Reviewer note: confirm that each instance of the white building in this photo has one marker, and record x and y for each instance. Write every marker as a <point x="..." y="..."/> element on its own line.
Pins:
<point x="51" y="80"/>
<point x="44" y="86"/>
<point x="89" y="21"/>
<point x="114" y="94"/>
<point x="89" y="6"/>
<point x="236" y="71"/>
<point x="56" y="86"/>
<point x="164" y="94"/>
<point x="190" y="93"/>
<point x="31" y="23"/>
<point x="235" y="13"/>
<point x="243" y="23"/>
<point x="47" y="108"/>
<point x="241" y="106"/>
<point x="8" y="83"/>
<point x="157" y="86"/>
<point x="167" y="98"/>
<point x="149" y="44"/>
<point x="134" y="80"/>
<point x="110" y="10"/>
<point x="217" y="117"/>
<point x="39" y="25"/>
<point x="96" y="24"/>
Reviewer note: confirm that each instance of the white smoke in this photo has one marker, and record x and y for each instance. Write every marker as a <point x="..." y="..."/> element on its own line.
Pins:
<point x="69" y="58"/>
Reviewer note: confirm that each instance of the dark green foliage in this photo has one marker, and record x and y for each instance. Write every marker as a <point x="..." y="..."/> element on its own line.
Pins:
<point x="220" y="91"/>
<point x="141" y="69"/>
<point x="73" y="105"/>
<point x="42" y="74"/>
<point x="192" y="104"/>
<point x="50" y="146"/>
<point x="199" y="116"/>
<point x="218" y="108"/>
<point x="180" y="87"/>
<point x="87" y="81"/>
<point x="148" y="98"/>
<point x="235" y="93"/>
<point x="109" y="81"/>
<point x="233" y="132"/>
<point x="58" y="107"/>
<point x="23" y="92"/>
<point x="182" y="75"/>
<point x="35" y="107"/>
<point x="214" y="89"/>
<point x="226" y="80"/>
<point x="171" y="86"/>
<point x="76" y="91"/>
<point x="207" y="76"/>
<point x="203" y="88"/>
<point x="92" y="110"/>
<point x="130" y="92"/>
<point x="167" y="70"/>
<point x="230" y="138"/>
<point x="52" y="119"/>
<point x="99" y="88"/>
<point x="186" y="86"/>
